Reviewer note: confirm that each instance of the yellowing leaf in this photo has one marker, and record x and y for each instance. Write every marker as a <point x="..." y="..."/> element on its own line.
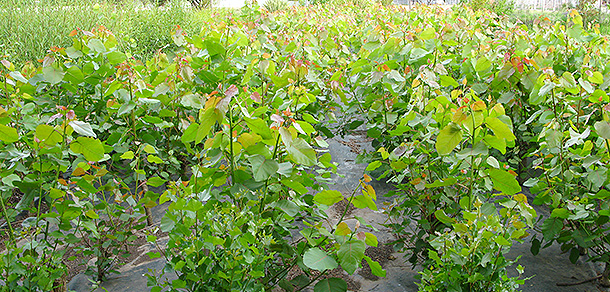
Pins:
<point x="154" y="159"/>
<point x="369" y="192"/>
<point x="478" y="106"/>
<point x="328" y="197"/>
<point x="91" y="214"/>
<point x="459" y="116"/>
<point x="343" y="229"/>
<point x="149" y="149"/>
<point x="128" y="155"/>
<point x="596" y="77"/>
<point x="448" y="139"/>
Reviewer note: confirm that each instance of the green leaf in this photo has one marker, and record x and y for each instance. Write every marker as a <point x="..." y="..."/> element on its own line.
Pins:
<point x="501" y="130"/>
<point x="192" y="100"/>
<point x="496" y="142"/>
<point x="126" y="108"/>
<point x="149" y="149"/>
<point x="167" y="224"/>
<point x="97" y="45"/>
<point x="603" y="129"/>
<point x="8" y="134"/>
<point x="262" y="168"/>
<point x="154" y="159"/>
<point x="602" y="194"/>
<point x="596" y="77"/>
<point x="155" y="181"/>
<point x="448" y="139"/>
<point x="342" y="229"/>
<point x="574" y="255"/>
<point x="74" y="75"/>
<point x="299" y="151"/>
<point x="370" y="239"/>
<point x="551" y="227"/>
<point x="537" y="96"/>
<point x="535" y="248"/>
<point x="91" y="148"/>
<point x="376" y="268"/>
<point x="502" y="241"/>
<point x="567" y="80"/>
<point x="350" y="255"/>
<point x="86" y="186"/>
<point x="362" y="202"/>
<point x="437" y="183"/>
<point x="330" y="285"/>
<point x="504" y="181"/>
<point x="373" y="165"/>
<point x="306" y="127"/>
<point x="295" y="185"/>
<point x="560" y="213"/>
<point x="9" y="179"/>
<point x="214" y="48"/>
<point x="190" y="133"/>
<point x="288" y="207"/>
<point x="208" y="119"/>
<point x="328" y="197"/>
<point x="48" y="134"/>
<point x="319" y="260"/>
<point x="82" y="128"/>
<point x="598" y="177"/>
<point x="259" y="126"/>
<point x="482" y="64"/>
<point x="441" y="216"/>
<point x="91" y="214"/>
<point x="116" y="57"/>
<point x="428" y="33"/>
<point x="128" y="155"/>
<point x="448" y="81"/>
<point x="53" y="75"/>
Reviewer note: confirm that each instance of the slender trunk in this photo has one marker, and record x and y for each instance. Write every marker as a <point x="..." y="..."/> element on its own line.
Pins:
<point x="149" y="218"/>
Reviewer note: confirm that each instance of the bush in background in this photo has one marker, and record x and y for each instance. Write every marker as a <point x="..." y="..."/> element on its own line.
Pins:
<point x="502" y="7"/>
<point x="275" y="5"/>
<point x="141" y="29"/>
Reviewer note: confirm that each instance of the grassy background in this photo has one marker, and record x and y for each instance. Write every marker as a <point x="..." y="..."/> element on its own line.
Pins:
<point x="29" y="28"/>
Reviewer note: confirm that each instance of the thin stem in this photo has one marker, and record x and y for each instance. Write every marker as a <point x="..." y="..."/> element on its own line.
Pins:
<point x="347" y="206"/>
<point x="277" y="142"/>
<point x="231" y="157"/>
<point x="8" y="221"/>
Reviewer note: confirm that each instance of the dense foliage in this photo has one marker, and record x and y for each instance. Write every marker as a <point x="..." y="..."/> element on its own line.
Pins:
<point x="229" y="130"/>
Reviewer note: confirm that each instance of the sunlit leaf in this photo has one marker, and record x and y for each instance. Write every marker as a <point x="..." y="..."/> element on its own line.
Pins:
<point x="448" y="138"/>
<point x="91" y="148"/>
<point x="319" y="260"/>
<point x="504" y="181"/>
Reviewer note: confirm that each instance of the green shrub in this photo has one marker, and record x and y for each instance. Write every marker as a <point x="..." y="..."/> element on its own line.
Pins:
<point x="501" y="7"/>
<point x="275" y="5"/>
<point x="470" y="256"/>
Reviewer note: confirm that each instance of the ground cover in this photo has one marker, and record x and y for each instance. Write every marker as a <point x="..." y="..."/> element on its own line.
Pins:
<point x="229" y="129"/>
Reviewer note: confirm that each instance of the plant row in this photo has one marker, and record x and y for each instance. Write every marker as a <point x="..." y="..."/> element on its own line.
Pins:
<point x="229" y="131"/>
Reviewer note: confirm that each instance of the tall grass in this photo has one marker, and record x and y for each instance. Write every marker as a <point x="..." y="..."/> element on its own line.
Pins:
<point x="601" y="20"/>
<point x="29" y="28"/>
